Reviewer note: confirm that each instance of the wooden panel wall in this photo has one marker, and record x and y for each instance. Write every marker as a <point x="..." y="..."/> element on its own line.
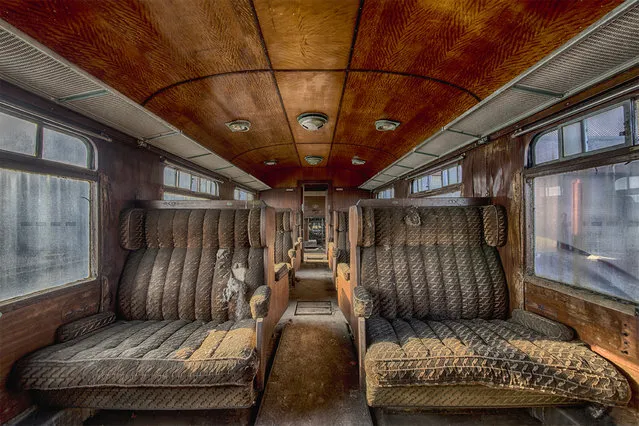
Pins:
<point x="280" y="198"/>
<point x="348" y="197"/>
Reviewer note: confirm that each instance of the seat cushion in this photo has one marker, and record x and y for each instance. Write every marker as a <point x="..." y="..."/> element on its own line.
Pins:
<point x="147" y="353"/>
<point x="493" y="353"/>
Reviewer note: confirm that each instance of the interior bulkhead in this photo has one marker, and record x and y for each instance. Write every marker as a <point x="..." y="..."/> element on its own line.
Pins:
<point x="305" y="212"/>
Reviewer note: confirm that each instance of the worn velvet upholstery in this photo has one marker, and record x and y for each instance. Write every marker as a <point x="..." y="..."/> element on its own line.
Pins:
<point x="434" y="296"/>
<point x="188" y="298"/>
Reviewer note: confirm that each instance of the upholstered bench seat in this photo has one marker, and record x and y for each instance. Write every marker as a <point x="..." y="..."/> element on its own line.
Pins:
<point x="494" y="353"/>
<point x="148" y="353"/>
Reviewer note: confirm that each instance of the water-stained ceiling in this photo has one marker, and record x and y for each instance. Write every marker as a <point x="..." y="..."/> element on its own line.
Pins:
<point x="199" y="64"/>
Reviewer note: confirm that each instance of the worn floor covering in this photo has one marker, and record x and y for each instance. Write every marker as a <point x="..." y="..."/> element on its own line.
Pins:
<point x="314" y="376"/>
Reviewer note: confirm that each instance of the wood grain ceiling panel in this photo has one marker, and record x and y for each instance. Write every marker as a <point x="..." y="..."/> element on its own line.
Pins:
<point x="478" y="45"/>
<point x="253" y="160"/>
<point x="311" y="92"/>
<point x="201" y="109"/>
<point x="141" y="46"/>
<point x="376" y="159"/>
<point x="289" y="177"/>
<point x="321" y="149"/>
<point x="422" y="106"/>
<point x="308" y="34"/>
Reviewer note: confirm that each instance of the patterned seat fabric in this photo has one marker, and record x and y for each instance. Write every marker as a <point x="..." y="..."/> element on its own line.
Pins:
<point x="439" y="300"/>
<point x="148" y="353"/>
<point x="493" y="353"/>
<point x="342" y="246"/>
<point x="184" y="318"/>
<point x="283" y="236"/>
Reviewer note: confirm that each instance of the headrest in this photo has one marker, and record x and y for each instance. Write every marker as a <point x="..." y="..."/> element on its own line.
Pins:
<point x="495" y="225"/>
<point x="132" y="229"/>
<point x="286" y="221"/>
<point x="190" y="228"/>
<point x="342" y="221"/>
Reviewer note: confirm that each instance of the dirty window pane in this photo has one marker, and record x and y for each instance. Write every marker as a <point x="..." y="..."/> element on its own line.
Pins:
<point x="386" y="194"/>
<point x="605" y="130"/>
<point x="184" y="180"/>
<point x="195" y="183"/>
<point x="169" y="176"/>
<point x="586" y="229"/>
<point x="240" y="194"/>
<point x="547" y="147"/>
<point x="572" y="139"/>
<point x="17" y="135"/>
<point x="64" y="148"/>
<point x="436" y="180"/>
<point x="45" y="228"/>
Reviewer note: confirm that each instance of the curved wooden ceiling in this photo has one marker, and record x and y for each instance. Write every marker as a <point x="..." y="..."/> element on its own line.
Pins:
<point x="199" y="64"/>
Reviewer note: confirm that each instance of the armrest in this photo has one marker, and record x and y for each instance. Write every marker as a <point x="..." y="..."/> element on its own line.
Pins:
<point x="344" y="271"/>
<point x="259" y="302"/>
<point x="543" y="325"/>
<point x="281" y="270"/>
<point x="83" y="326"/>
<point x="362" y="302"/>
<point x="291" y="254"/>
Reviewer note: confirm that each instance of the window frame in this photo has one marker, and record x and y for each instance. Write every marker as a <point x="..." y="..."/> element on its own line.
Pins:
<point x="381" y="191"/>
<point x="628" y="152"/>
<point x="189" y="192"/>
<point x="444" y="189"/>
<point x="237" y="188"/>
<point x="629" y="113"/>
<point x="35" y="164"/>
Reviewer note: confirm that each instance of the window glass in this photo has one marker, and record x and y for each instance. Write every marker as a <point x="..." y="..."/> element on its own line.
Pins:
<point x="170" y="176"/>
<point x="606" y="129"/>
<point x="184" y="180"/>
<point x="546" y="147"/>
<point x="436" y="180"/>
<point x="572" y="139"/>
<point x="17" y="135"/>
<point x="452" y="176"/>
<point x="64" y="148"/>
<point x="388" y="193"/>
<point x="205" y="185"/>
<point x="45" y="228"/>
<point x="242" y="195"/>
<point x="586" y="229"/>
<point x="195" y="183"/>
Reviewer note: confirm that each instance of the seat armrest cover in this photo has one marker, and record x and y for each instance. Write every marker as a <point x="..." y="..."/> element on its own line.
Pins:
<point x="83" y="326"/>
<point x="344" y="271"/>
<point x="362" y="302"/>
<point x="495" y="225"/>
<point x="543" y="325"/>
<point x="260" y="301"/>
<point x="132" y="229"/>
<point x="281" y="270"/>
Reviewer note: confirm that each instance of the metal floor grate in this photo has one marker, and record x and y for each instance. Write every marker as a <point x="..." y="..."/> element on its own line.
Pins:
<point x="313" y="308"/>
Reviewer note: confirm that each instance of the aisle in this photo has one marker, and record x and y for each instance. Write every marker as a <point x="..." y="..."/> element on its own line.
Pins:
<point x="314" y="380"/>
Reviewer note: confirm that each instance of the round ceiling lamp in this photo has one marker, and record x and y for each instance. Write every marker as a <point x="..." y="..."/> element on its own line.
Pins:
<point x="386" y="125"/>
<point x="358" y="161"/>
<point x="312" y="121"/>
<point x="270" y="162"/>
<point x="313" y="160"/>
<point x="239" y="125"/>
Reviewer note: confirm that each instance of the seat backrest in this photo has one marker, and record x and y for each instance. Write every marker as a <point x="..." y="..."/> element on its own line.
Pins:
<point x="342" y="245"/>
<point x="182" y="261"/>
<point x="433" y="262"/>
<point x="283" y="235"/>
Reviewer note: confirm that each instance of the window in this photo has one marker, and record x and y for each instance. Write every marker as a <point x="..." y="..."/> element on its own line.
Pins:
<point x="607" y="129"/>
<point x="242" y="195"/>
<point x="586" y="221"/>
<point x="386" y="194"/>
<point x="45" y="218"/>
<point x="181" y="184"/>
<point x="437" y="180"/>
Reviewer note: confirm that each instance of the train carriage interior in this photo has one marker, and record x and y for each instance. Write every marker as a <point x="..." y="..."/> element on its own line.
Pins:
<point x="319" y="212"/>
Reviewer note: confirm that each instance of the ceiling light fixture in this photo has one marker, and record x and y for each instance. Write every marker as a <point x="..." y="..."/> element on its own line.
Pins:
<point x="386" y="125"/>
<point x="239" y="125"/>
<point x="313" y="160"/>
<point x="312" y="121"/>
<point x="270" y="162"/>
<point x="358" y="161"/>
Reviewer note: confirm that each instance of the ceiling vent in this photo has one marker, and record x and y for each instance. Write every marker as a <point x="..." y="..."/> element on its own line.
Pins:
<point x="270" y="162"/>
<point x="313" y="160"/>
<point x="312" y="121"/>
<point x="358" y="161"/>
